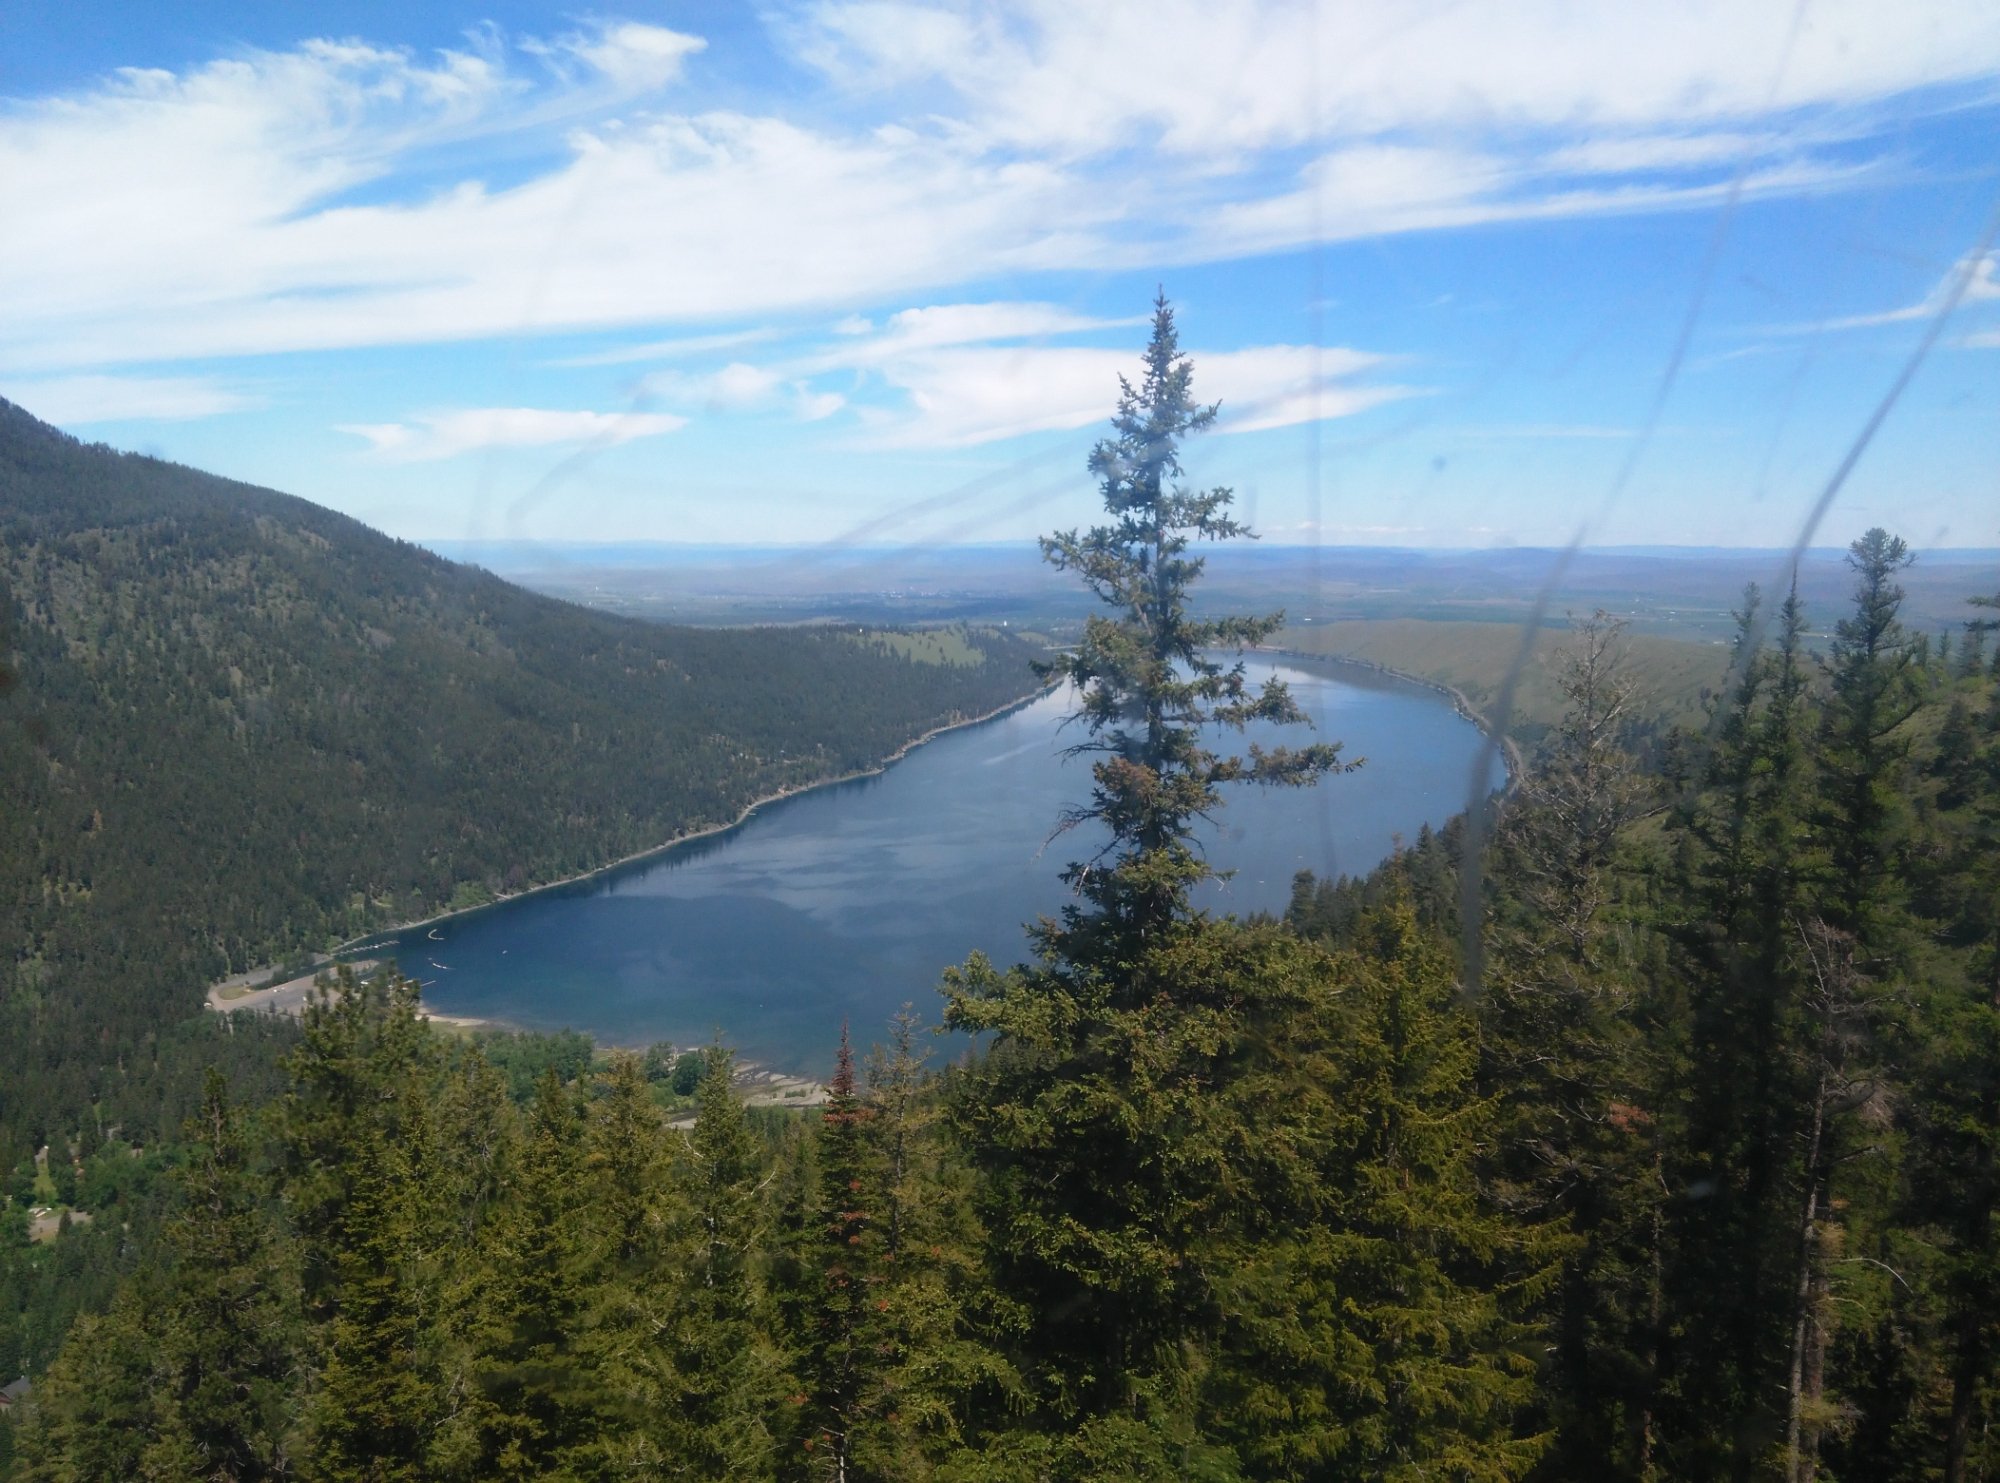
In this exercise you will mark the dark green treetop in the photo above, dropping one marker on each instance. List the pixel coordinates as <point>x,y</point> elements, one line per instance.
<point>1874,690</point>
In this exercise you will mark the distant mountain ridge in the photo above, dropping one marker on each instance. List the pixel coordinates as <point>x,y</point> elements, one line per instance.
<point>245,725</point>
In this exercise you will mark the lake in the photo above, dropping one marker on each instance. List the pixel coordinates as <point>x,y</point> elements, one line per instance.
<point>847,901</point>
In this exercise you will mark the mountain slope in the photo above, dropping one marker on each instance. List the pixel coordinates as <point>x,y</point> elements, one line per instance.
<point>246,725</point>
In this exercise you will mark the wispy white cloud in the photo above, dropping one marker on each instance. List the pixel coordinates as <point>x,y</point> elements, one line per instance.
<point>257,235</point>
<point>740,387</point>
<point>965,395</point>
<point>1376,190</point>
<point>1646,153</point>
<point>435,435</point>
<point>816,406</point>
<point>223,183</point>
<point>956,398</point>
<point>1271,386</point>
<point>912,331</point>
<point>339,194</point>
<point>958,375</point>
<point>1206,79</point>
<point>735,387</point>
<point>74,401</point>
<point>683,347</point>
<point>634,58</point>
<point>1982,286</point>
<point>946,366</point>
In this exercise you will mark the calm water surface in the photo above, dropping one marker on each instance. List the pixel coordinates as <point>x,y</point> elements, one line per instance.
<point>847,901</point>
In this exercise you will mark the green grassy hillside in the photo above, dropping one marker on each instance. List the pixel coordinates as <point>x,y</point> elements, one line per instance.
<point>1473,658</point>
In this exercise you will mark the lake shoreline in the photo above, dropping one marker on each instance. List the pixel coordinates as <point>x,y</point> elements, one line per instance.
<point>653,972</point>
<point>761,1085</point>
<point>1506,748</point>
<point>329,959</point>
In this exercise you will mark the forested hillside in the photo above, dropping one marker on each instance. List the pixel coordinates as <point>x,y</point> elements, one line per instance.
<point>242,725</point>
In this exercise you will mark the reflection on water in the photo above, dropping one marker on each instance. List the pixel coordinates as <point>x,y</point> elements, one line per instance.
<point>846,902</point>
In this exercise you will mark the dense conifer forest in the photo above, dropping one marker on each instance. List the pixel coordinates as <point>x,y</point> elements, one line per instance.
<point>238,727</point>
<point>1673,1157</point>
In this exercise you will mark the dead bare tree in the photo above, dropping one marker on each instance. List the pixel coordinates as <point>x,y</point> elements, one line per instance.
<point>1838,1011</point>
<point>1584,788</point>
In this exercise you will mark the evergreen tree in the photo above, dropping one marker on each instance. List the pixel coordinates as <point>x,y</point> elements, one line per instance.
<point>1978,626</point>
<point>1577,1149</point>
<point>535,1412</point>
<point>932,1384</point>
<point>626,1165</point>
<point>845,1276</point>
<point>1954,1180</point>
<point>466,1144</point>
<point>1092,1115</point>
<point>224,1348</point>
<point>1872,693</point>
<point>1585,787</point>
<point>1144,677</point>
<point>1743,857</point>
<point>628,1168</point>
<point>1375,1300</point>
<point>371,1413</point>
<point>719,1422</point>
<point>353,1139</point>
<point>362,1048</point>
<point>1841,1086</point>
<point>93,1410</point>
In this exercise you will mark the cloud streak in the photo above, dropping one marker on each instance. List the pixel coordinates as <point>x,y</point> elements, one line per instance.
<point>77,401</point>
<point>1983,286</point>
<point>273,217</point>
<point>968,395</point>
<point>1204,79</point>
<point>438,435</point>
<point>680,348</point>
<point>342,194</point>
<point>960,375</point>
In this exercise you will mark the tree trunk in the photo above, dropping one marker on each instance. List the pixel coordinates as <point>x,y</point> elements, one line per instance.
<point>1655,1305</point>
<point>1967,1370</point>
<point>1807,1381</point>
<point>1971,1352</point>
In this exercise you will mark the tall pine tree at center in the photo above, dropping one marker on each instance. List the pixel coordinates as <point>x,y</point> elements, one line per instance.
<point>1145,679</point>
<point>1094,1112</point>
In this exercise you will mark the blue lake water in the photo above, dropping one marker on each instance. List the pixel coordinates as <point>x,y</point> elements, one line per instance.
<point>847,901</point>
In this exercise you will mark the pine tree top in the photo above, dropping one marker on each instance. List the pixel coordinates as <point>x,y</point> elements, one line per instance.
<point>1147,679</point>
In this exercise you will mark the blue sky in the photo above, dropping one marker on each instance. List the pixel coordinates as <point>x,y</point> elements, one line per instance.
<point>868,271</point>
